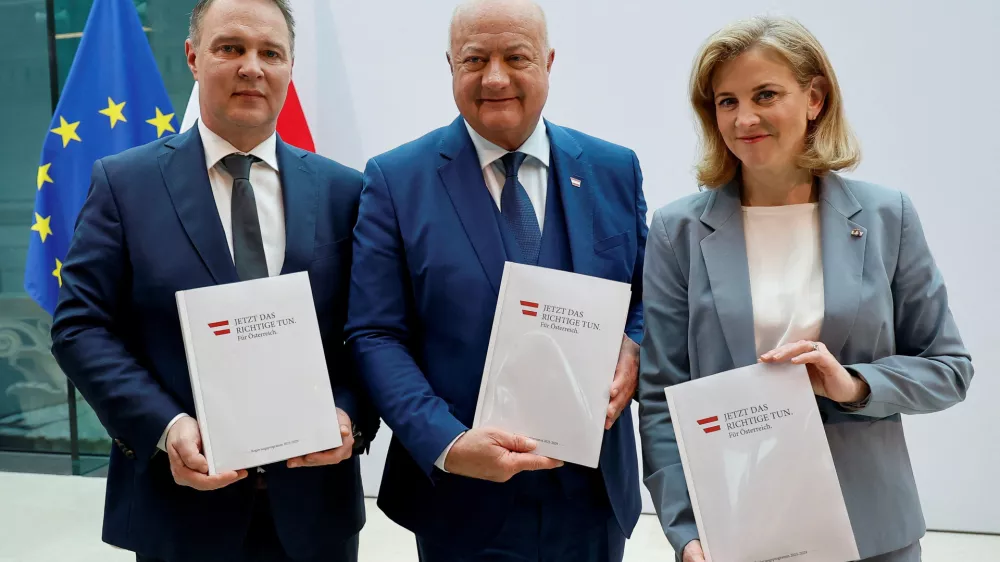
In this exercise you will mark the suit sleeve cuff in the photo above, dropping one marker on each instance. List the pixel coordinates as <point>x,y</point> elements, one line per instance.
<point>344,400</point>
<point>444,454</point>
<point>854,407</point>
<point>436,439</point>
<point>162,443</point>
<point>681,539</point>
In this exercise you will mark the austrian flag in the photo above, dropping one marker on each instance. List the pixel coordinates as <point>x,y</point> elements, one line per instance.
<point>529,308</point>
<point>221,328</point>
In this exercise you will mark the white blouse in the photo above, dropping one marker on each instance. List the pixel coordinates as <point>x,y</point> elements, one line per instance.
<point>786,273</point>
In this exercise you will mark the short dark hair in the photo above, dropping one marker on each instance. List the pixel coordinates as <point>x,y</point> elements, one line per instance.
<point>198,13</point>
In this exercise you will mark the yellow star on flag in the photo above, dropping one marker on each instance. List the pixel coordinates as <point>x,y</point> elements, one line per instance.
<point>57,272</point>
<point>162,123</point>
<point>67,131</point>
<point>43,176</point>
<point>42,227</point>
<point>114,111</point>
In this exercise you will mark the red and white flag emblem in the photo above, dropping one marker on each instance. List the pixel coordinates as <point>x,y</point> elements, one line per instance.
<point>221,328</point>
<point>710,425</point>
<point>529,308</point>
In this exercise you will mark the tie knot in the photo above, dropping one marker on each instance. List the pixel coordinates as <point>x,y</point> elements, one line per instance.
<point>238,165</point>
<point>512,162</point>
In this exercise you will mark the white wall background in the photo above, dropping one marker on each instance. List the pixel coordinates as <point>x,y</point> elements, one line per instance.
<point>922,88</point>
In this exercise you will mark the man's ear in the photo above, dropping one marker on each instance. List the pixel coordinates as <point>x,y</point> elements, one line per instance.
<point>192,58</point>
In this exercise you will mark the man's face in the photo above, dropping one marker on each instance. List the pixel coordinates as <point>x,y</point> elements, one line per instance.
<point>500,72</point>
<point>242,61</point>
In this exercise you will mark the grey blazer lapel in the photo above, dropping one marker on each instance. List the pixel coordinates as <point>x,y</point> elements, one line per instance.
<point>843,243</point>
<point>725,253</point>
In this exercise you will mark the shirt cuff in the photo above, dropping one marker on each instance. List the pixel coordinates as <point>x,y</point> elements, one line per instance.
<point>162,443</point>
<point>444,454</point>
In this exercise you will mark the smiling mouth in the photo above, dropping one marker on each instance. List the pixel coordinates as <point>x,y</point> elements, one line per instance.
<point>753,139</point>
<point>503,100</point>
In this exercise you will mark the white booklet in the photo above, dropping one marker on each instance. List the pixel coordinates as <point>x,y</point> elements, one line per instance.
<point>551,360</point>
<point>759,469</point>
<point>261,387</point>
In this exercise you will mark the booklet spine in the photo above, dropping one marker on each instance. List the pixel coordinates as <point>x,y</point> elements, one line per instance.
<point>192,362</point>
<point>692,489</point>
<point>508,272</point>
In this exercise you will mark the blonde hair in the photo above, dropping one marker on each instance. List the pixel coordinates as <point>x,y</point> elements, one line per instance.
<point>830,143</point>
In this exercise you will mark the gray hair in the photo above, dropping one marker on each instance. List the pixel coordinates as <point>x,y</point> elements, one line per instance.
<point>198,14</point>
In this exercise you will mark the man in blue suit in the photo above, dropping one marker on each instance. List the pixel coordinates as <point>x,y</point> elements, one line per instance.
<point>224,202</point>
<point>438,218</point>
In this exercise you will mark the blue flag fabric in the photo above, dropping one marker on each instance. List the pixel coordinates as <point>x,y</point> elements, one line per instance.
<point>113,100</point>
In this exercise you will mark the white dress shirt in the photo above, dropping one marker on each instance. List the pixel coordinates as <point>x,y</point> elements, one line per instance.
<point>786,273</point>
<point>266,191</point>
<point>533,175</point>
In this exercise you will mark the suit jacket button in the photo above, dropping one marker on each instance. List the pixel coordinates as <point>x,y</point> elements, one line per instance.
<point>129,454</point>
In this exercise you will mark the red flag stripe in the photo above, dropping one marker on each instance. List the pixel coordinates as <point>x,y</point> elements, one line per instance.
<point>222,332</point>
<point>292,124</point>
<point>217,324</point>
<point>529,313</point>
<point>712,419</point>
<point>712,429</point>
<point>528,303</point>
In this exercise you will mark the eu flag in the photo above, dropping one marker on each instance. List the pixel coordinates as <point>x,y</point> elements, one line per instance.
<point>113,100</point>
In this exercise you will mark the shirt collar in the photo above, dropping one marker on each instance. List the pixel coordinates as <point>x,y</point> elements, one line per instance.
<point>217,148</point>
<point>537,146</point>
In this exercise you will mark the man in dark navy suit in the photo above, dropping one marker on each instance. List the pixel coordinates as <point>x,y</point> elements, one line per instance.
<point>438,219</point>
<point>226,201</point>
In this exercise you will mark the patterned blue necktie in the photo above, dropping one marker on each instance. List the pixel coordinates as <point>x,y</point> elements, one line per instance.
<point>518,211</point>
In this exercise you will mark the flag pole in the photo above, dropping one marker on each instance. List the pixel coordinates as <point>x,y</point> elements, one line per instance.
<point>74,428</point>
<point>50,27</point>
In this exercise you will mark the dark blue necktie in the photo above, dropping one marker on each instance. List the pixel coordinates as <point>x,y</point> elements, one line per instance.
<point>248,244</point>
<point>518,211</point>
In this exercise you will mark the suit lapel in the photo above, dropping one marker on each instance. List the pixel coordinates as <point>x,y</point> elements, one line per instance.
<point>725,253</point>
<point>463,180</point>
<point>843,244</point>
<point>182,164</point>
<point>568,163</point>
<point>300,194</point>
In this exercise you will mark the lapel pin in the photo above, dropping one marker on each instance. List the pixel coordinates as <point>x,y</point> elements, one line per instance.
<point>857,233</point>
<point>575,181</point>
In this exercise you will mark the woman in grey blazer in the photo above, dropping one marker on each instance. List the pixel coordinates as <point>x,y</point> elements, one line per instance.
<point>782,259</point>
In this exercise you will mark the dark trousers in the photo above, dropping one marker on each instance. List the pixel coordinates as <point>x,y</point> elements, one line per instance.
<point>262,543</point>
<point>543,530</point>
<point>908,554</point>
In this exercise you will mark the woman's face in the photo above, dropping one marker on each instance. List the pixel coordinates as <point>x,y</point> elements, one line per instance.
<point>762,112</point>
